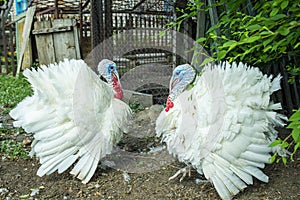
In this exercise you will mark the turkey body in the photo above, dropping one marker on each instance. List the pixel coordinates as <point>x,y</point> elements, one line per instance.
<point>73,116</point>
<point>224,125</point>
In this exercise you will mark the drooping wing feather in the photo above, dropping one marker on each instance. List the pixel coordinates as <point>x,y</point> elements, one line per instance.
<point>73,116</point>
<point>224,125</point>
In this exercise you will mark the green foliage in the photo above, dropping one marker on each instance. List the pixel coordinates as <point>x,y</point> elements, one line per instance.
<point>13,90</point>
<point>36,64</point>
<point>13,150</point>
<point>268,36</point>
<point>295,126</point>
<point>136,106</point>
<point>257,35</point>
<point>291,143</point>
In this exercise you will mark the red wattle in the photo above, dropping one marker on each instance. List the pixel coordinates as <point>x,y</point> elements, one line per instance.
<point>169,104</point>
<point>118,89</point>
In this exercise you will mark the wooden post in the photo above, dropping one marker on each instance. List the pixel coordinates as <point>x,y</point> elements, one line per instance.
<point>12,56</point>
<point>108,18</point>
<point>97,31</point>
<point>4,42</point>
<point>80,23</point>
<point>97,22</point>
<point>56,9</point>
<point>108,30</point>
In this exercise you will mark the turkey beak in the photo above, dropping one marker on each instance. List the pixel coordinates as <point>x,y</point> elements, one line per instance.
<point>114,76</point>
<point>173,83</point>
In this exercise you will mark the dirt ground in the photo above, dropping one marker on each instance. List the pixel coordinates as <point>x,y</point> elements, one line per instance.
<point>18,179</point>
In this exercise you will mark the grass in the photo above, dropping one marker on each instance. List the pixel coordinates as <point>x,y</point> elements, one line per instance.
<point>13,150</point>
<point>136,106</point>
<point>12,91</point>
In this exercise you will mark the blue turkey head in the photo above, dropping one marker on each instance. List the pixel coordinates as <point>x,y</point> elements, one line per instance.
<point>183,76</point>
<point>108,70</point>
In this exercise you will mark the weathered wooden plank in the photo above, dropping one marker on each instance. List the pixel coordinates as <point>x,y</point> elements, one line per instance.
<point>26,35</point>
<point>52,30</point>
<point>44,43</point>
<point>76,40</point>
<point>27,56</point>
<point>64,42</point>
<point>58,25</point>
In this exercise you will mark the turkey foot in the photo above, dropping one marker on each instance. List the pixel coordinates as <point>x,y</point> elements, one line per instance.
<point>182,171</point>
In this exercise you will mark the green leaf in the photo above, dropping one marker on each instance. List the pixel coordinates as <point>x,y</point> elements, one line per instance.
<point>162,33</point>
<point>251,39</point>
<point>297,45</point>
<point>296,147</point>
<point>273,158</point>
<point>274,12</point>
<point>266,42</point>
<point>296,134</point>
<point>229,43</point>
<point>295,116</point>
<point>265,33</point>
<point>221,54</point>
<point>254,27</point>
<point>207,60</point>
<point>283,160</point>
<point>284,144</point>
<point>212,28</point>
<point>277,17</point>
<point>283,30</point>
<point>284,4</point>
<point>275,143</point>
<point>293,125</point>
<point>199,40</point>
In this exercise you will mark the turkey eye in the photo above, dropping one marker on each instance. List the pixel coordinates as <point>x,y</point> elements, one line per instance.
<point>111,67</point>
<point>177,73</point>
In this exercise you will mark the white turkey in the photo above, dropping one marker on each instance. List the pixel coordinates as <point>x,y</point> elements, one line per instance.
<point>73,115</point>
<point>223,125</point>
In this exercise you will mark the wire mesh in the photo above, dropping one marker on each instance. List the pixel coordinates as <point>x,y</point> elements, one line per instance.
<point>138,45</point>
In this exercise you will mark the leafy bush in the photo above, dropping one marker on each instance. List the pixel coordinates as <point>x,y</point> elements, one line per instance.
<point>259,34</point>
<point>267,36</point>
